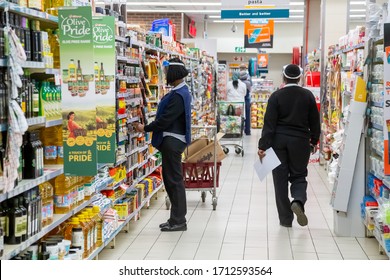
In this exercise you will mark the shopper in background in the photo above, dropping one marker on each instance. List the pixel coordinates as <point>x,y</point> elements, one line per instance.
<point>236,90</point>
<point>292,129</point>
<point>245,78</point>
<point>171,134</point>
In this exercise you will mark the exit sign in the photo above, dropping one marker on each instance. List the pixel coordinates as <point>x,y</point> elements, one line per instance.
<point>240,49</point>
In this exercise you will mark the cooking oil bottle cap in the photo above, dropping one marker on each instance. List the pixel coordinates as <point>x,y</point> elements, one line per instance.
<point>75,220</point>
<point>96,209</point>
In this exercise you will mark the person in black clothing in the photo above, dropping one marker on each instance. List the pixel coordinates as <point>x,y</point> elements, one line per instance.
<point>171,134</point>
<point>292,129</point>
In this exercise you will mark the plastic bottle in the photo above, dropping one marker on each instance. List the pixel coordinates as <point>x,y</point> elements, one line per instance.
<point>89,213</point>
<point>62,195</point>
<point>99,225</point>
<point>50,145</point>
<point>87,235</point>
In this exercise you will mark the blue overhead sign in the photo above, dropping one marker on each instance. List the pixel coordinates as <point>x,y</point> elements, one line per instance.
<point>251,9</point>
<point>248,14</point>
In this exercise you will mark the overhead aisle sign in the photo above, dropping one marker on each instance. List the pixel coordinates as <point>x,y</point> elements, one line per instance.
<point>259,33</point>
<point>104,77</point>
<point>78,91</point>
<point>247,9</point>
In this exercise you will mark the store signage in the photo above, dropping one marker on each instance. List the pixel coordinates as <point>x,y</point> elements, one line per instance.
<point>239,50</point>
<point>386,109</point>
<point>259,33</point>
<point>262,60</point>
<point>248,9</point>
<point>192,29</point>
<point>78,91</point>
<point>104,77</point>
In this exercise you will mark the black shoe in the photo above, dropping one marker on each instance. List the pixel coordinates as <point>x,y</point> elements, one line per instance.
<point>284,225</point>
<point>298,210</point>
<point>164,224</point>
<point>179,227</point>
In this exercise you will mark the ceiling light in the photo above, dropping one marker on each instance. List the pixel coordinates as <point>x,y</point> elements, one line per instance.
<point>174,11</point>
<point>357,3</point>
<point>358,10</point>
<point>228,21</point>
<point>214,16</point>
<point>173,3</point>
<point>357,16</point>
<point>300,16</point>
<point>296,11</point>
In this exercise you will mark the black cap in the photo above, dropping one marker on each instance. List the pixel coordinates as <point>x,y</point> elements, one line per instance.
<point>292,71</point>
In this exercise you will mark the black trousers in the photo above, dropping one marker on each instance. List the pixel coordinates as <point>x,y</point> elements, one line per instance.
<point>294,155</point>
<point>171,150</point>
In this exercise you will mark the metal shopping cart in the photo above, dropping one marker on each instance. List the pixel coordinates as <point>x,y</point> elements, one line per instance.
<point>230,121</point>
<point>202,176</point>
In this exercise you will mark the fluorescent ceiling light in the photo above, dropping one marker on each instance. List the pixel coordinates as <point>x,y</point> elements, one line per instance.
<point>214,16</point>
<point>296,11</point>
<point>357,3</point>
<point>358,10</point>
<point>288,21</point>
<point>173,4</point>
<point>357,16</point>
<point>297,3</point>
<point>300,16</point>
<point>174,11</point>
<point>228,21</point>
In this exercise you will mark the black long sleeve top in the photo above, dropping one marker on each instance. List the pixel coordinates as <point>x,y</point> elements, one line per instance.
<point>173,118</point>
<point>292,111</point>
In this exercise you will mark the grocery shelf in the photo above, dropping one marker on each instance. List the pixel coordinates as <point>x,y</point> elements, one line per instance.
<point>133,61</point>
<point>52,71</point>
<point>122,138</point>
<point>120,39</point>
<point>11,251</point>
<point>53,123</point>
<point>29,13</point>
<point>121,116</point>
<point>377,126</point>
<point>380,241</point>
<point>135,119</point>
<point>378,40</point>
<point>26,64</point>
<point>152,114</point>
<point>134,101</point>
<point>122,94</point>
<point>36,121</point>
<point>377,104</point>
<point>379,176</point>
<point>51,171</point>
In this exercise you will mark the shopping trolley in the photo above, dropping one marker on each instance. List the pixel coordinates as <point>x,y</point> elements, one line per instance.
<point>231,122</point>
<point>202,176</point>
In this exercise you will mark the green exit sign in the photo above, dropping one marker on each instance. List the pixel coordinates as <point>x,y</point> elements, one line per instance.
<point>240,49</point>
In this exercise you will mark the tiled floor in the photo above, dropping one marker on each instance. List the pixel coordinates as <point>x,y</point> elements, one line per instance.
<point>244,225</point>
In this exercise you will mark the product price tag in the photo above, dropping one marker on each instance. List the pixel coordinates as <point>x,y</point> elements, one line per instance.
<point>57,79</point>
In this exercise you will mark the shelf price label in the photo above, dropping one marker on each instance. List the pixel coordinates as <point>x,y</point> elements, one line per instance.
<point>78,91</point>
<point>386,109</point>
<point>104,78</point>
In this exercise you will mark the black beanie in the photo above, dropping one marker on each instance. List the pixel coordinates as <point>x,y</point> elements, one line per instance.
<point>292,72</point>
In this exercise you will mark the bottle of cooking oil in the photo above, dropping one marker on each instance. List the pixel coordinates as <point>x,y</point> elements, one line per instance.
<point>99,224</point>
<point>75,233</point>
<point>60,146</point>
<point>93,221</point>
<point>62,195</point>
<point>50,145</point>
<point>87,235</point>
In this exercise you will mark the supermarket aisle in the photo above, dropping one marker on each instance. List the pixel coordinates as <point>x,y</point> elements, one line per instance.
<point>245,224</point>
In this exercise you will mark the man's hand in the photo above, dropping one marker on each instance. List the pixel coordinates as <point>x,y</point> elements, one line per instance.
<point>261,154</point>
<point>139,127</point>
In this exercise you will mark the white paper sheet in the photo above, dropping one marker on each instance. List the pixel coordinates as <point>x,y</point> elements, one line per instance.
<point>270,162</point>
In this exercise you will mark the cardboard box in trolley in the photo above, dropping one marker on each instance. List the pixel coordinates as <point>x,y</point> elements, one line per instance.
<point>202,150</point>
